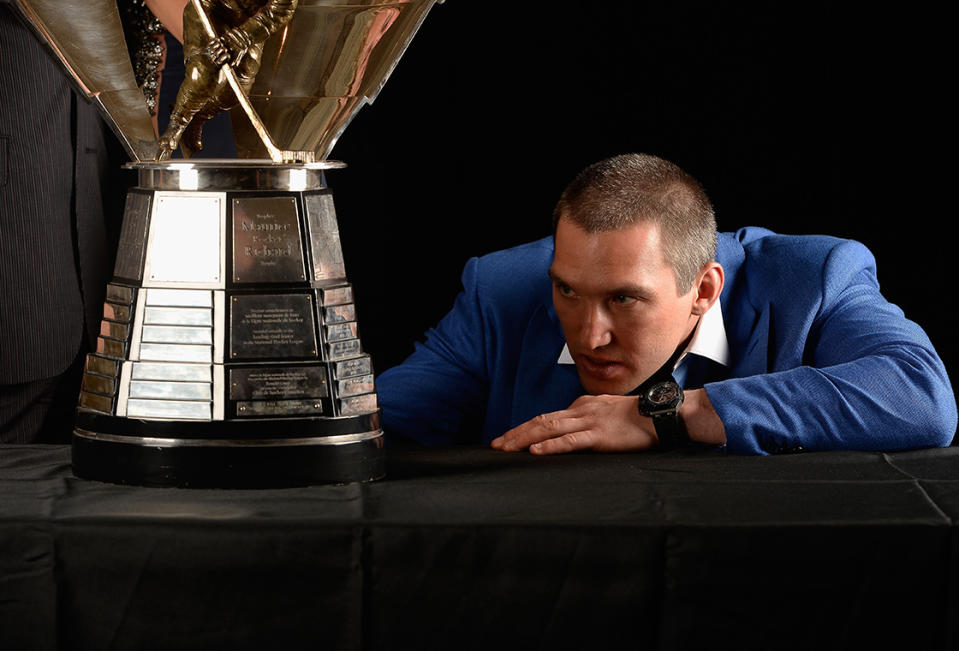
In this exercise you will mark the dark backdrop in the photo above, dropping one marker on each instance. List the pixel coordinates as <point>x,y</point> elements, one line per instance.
<point>802,117</point>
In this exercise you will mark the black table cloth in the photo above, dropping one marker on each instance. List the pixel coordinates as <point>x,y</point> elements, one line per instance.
<point>471,548</point>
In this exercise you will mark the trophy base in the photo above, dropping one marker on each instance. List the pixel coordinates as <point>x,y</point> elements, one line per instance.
<point>199,455</point>
<point>229,353</point>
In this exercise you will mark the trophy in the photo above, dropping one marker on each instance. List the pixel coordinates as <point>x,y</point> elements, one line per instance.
<point>229,352</point>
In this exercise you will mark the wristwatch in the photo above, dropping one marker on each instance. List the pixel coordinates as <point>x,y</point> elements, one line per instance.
<point>661,401</point>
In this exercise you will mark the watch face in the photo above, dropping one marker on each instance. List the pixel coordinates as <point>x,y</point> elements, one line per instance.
<point>663,393</point>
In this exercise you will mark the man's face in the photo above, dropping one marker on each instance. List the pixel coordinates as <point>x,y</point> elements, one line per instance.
<point>617,302</point>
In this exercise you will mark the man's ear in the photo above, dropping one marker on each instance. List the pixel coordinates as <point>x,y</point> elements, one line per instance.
<point>708,287</point>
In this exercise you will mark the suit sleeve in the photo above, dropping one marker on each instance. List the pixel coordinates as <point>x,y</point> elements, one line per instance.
<point>869,379</point>
<point>438,395</point>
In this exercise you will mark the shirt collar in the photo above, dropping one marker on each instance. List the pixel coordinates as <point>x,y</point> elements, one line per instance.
<point>709,341</point>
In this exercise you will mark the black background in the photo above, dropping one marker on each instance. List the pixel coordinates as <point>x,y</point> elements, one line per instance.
<point>801,117</point>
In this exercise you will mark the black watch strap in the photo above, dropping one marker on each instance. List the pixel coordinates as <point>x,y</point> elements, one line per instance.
<point>669,430</point>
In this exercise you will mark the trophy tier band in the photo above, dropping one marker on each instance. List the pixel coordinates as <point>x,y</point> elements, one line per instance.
<point>229,352</point>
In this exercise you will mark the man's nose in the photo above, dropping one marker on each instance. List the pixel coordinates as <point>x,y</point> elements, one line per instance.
<point>595,332</point>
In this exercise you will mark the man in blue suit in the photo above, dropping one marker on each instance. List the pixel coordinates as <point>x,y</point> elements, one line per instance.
<point>637,325</point>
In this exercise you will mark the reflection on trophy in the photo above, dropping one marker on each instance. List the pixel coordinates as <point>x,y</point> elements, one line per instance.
<point>229,352</point>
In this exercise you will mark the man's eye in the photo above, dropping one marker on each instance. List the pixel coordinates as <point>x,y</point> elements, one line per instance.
<point>564,289</point>
<point>622,299</point>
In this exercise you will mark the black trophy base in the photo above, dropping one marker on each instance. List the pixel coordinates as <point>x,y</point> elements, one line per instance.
<point>210,454</point>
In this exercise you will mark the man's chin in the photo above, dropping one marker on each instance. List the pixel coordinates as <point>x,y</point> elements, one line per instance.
<point>608,387</point>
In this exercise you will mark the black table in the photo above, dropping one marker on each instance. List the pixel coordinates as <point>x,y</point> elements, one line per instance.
<point>475,549</point>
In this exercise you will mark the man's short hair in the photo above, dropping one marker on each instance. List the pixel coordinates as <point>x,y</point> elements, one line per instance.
<point>624,190</point>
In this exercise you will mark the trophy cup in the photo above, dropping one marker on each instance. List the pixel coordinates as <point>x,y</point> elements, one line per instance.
<point>229,353</point>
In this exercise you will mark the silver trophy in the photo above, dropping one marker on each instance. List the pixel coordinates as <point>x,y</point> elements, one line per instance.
<point>229,352</point>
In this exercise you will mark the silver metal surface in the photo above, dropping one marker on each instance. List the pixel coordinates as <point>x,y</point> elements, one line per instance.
<point>179,297</point>
<point>339,439</point>
<point>186,244</point>
<point>177,335</point>
<point>171,390</point>
<point>267,245</point>
<point>358,405</point>
<point>172,371</point>
<point>176,353</point>
<point>232,174</point>
<point>168,409</point>
<point>197,316</point>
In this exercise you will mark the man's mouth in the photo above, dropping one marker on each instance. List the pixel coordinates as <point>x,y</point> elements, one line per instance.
<point>598,367</point>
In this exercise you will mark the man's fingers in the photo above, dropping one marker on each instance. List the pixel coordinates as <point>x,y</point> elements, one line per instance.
<point>541,428</point>
<point>567,443</point>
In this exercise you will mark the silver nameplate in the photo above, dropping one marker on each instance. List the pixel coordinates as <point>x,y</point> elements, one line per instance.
<point>275,382</point>
<point>352,367</point>
<point>177,334</point>
<point>354,386</point>
<point>168,409</point>
<point>178,316</point>
<point>264,326</point>
<point>176,353</point>
<point>280,408</point>
<point>358,405</point>
<point>172,371</point>
<point>324,237</point>
<point>341,331</point>
<point>185,242</point>
<point>339,313</point>
<point>170,390</point>
<point>179,297</point>
<point>336,295</point>
<point>133,236</point>
<point>267,246</point>
<point>343,349</point>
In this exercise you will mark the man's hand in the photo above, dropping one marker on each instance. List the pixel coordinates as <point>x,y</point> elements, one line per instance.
<point>609,424</point>
<point>600,423</point>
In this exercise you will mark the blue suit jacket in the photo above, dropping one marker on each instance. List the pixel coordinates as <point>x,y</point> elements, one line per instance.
<point>819,359</point>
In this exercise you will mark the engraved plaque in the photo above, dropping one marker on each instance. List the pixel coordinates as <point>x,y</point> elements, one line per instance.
<point>324,237</point>
<point>275,382</point>
<point>336,295</point>
<point>264,326</point>
<point>266,240</point>
<point>339,313</point>
<point>353,367</point>
<point>133,236</point>
<point>354,386</point>
<point>280,408</point>
<point>358,404</point>
<point>344,349</point>
<point>341,331</point>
